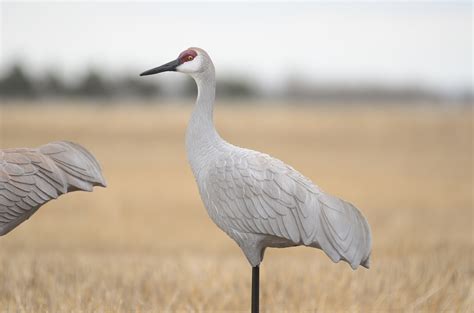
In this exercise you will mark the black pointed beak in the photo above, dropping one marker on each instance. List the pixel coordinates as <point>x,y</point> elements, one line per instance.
<point>168,67</point>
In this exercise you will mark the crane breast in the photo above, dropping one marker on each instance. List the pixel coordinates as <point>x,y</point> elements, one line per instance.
<point>252,193</point>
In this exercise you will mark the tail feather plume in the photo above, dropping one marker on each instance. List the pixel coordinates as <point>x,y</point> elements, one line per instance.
<point>29,178</point>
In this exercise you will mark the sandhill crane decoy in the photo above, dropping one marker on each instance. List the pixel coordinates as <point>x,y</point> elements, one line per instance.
<point>258,200</point>
<point>30,177</point>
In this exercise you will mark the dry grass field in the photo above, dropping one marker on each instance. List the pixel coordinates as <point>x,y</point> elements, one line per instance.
<point>145,243</point>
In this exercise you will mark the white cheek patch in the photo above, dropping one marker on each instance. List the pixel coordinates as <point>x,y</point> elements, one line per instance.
<point>191,66</point>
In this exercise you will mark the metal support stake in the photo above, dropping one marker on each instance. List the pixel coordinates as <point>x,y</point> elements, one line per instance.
<point>255,288</point>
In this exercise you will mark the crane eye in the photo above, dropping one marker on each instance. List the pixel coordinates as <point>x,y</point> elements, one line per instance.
<point>187,56</point>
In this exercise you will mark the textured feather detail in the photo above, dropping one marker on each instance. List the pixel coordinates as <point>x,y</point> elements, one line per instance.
<point>31,177</point>
<point>255,194</point>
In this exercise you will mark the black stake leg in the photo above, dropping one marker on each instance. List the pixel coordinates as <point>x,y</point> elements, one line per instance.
<point>255,288</point>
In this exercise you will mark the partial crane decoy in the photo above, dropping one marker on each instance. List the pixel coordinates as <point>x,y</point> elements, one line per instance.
<point>30,177</point>
<point>258,200</point>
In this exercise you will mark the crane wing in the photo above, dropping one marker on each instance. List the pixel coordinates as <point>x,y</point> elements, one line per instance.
<point>31,177</point>
<point>254,193</point>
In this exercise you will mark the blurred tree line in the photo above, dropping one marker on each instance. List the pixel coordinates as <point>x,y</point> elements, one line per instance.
<point>17,83</point>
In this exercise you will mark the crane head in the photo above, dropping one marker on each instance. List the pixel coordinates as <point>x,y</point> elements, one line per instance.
<point>190,61</point>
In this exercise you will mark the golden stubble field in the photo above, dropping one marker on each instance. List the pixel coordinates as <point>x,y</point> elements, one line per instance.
<point>145,244</point>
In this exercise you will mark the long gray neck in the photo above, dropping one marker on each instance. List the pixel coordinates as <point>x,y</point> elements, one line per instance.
<point>202,139</point>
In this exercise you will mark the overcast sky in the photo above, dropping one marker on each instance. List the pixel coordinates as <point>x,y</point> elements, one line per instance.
<point>400,43</point>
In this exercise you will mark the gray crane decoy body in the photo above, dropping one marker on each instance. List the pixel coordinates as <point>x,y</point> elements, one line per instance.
<point>30,177</point>
<point>258,200</point>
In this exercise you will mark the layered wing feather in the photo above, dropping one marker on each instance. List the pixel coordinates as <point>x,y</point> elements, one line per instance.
<point>31,177</point>
<point>253,193</point>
